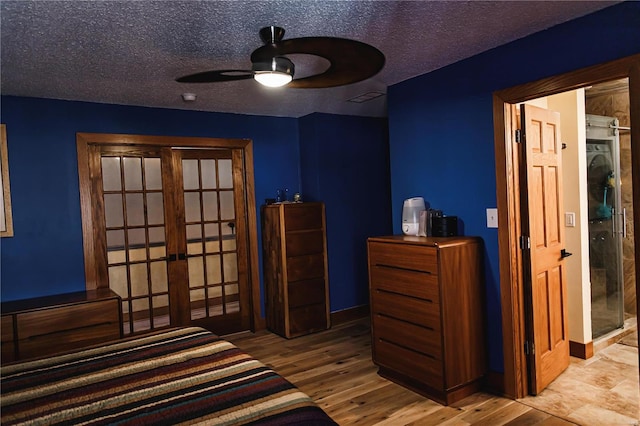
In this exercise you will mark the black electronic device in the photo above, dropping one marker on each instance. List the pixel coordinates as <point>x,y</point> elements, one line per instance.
<point>444,226</point>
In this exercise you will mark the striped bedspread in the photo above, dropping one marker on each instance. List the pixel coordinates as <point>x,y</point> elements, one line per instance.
<point>180,376</point>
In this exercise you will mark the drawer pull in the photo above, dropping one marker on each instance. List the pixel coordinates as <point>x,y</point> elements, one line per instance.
<point>382,265</point>
<point>426,327</point>
<point>381,291</point>
<point>407,348</point>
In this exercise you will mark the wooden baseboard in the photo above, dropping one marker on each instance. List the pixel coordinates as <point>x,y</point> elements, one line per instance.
<point>438,395</point>
<point>337,317</point>
<point>349,314</point>
<point>581,350</point>
<point>494,382</point>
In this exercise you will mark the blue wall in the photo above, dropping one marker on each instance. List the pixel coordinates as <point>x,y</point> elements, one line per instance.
<point>46,257</point>
<point>441,126</point>
<point>344,162</point>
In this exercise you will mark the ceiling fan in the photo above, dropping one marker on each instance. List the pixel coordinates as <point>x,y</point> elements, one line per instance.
<point>350,61</point>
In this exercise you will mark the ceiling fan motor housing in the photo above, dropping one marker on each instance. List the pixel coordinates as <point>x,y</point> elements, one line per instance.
<point>276,64</point>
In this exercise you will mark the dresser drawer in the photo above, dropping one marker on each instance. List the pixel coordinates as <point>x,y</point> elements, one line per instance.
<point>305,267</point>
<point>304,242</point>
<point>404,256</point>
<point>411,336</point>
<point>409,309</point>
<point>411,283</point>
<point>59,329</point>
<point>309,292</point>
<point>302,216</point>
<point>419,367</point>
<point>307,319</point>
<point>45,321</point>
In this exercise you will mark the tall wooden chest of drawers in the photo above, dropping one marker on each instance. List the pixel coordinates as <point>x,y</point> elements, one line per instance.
<point>294,260</point>
<point>427,304</point>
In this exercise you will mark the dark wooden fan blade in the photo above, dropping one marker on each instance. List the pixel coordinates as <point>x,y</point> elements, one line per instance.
<point>216,76</point>
<point>351,61</point>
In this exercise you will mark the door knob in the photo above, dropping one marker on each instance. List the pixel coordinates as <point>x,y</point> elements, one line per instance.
<point>564,253</point>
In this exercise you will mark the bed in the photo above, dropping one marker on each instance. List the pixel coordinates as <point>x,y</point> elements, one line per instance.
<point>178,376</point>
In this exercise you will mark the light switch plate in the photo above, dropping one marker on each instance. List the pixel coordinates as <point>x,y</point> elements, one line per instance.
<point>570,219</point>
<point>492,218</point>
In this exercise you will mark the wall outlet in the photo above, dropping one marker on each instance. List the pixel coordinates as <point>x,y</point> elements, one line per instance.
<point>492,218</point>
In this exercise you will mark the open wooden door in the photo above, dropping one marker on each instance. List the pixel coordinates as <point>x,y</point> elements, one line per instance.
<point>544,273</point>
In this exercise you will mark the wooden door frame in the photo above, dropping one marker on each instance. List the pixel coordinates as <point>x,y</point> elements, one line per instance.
<point>508,199</point>
<point>244,146</point>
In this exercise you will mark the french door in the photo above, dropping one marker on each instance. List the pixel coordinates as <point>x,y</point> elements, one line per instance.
<point>210,243</point>
<point>170,235</point>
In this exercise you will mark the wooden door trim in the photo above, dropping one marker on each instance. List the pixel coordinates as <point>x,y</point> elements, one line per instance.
<point>83,142</point>
<point>508,199</point>
<point>259,321</point>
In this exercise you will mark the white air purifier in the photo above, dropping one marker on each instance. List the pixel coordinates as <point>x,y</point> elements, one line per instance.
<point>411,215</point>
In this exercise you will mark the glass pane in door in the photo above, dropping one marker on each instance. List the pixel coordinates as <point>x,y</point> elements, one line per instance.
<point>136,240</point>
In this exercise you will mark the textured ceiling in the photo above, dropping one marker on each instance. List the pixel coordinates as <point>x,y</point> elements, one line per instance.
<point>130,52</point>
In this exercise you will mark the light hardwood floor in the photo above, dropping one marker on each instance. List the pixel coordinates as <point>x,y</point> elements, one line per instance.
<point>334,367</point>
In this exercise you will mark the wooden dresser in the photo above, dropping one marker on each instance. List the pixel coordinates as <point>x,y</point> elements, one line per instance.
<point>294,260</point>
<point>427,314</point>
<point>42,326</point>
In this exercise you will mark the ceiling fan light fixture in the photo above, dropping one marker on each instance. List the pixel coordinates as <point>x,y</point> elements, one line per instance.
<point>349,61</point>
<point>276,73</point>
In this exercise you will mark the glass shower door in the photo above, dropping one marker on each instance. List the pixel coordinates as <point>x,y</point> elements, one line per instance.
<point>606,225</point>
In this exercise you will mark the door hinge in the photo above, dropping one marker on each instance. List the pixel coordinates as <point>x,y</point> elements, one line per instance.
<point>519,136</point>
<point>525,242</point>
<point>529,348</point>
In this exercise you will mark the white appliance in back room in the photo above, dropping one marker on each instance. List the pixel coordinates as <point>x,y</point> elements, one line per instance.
<point>411,209</point>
